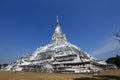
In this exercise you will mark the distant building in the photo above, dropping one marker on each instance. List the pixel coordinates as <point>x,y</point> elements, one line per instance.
<point>58,56</point>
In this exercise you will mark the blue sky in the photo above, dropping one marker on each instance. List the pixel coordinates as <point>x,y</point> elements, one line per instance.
<point>28,24</point>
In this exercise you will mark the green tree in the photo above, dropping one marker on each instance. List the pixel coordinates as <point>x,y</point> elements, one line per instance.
<point>117,60</point>
<point>4,65</point>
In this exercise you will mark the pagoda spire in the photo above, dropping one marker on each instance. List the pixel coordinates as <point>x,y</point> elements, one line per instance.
<point>57,20</point>
<point>58,28</point>
<point>58,35</point>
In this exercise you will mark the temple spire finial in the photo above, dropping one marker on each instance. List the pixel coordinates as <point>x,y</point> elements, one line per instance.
<point>58,35</point>
<point>58,29</point>
<point>57,19</point>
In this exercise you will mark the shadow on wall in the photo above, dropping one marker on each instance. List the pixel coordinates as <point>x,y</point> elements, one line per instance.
<point>106,77</point>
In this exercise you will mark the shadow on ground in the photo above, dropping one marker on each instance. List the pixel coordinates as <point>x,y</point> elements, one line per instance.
<point>85,78</point>
<point>106,77</point>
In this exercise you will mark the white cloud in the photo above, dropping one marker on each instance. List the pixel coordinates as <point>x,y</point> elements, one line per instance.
<point>111,45</point>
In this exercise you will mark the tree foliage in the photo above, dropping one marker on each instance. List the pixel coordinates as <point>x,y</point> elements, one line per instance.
<point>114,60</point>
<point>117,35</point>
<point>3,65</point>
<point>117,60</point>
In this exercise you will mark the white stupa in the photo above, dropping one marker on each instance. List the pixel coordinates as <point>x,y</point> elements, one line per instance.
<point>58,56</point>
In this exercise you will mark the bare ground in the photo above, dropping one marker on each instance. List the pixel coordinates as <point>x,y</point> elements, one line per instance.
<point>106,75</point>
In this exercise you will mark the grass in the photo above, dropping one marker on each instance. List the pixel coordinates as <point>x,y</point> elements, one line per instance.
<point>106,75</point>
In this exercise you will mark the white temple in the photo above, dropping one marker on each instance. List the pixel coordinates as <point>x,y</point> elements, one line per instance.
<point>58,56</point>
